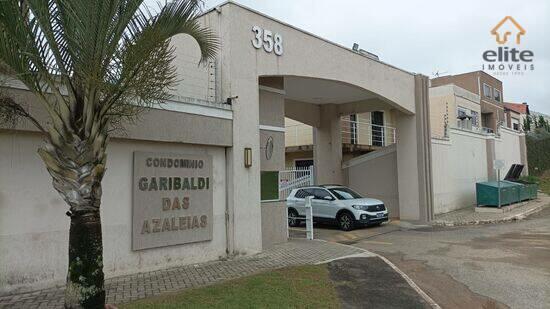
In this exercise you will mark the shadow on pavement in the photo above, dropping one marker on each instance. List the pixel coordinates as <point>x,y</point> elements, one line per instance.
<point>368,282</point>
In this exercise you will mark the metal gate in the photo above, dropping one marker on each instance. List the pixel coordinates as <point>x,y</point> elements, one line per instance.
<point>294,178</point>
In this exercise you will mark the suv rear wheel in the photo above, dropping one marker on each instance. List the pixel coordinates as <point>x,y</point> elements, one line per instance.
<point>346,221</point>
<point>293,217</point>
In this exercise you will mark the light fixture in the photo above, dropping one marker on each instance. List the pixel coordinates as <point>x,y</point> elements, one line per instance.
<point>247,157</point>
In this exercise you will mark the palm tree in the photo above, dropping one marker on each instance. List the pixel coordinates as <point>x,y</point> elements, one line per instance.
<point>92,64</point>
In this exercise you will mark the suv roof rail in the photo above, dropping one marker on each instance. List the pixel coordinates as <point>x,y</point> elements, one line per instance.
<point>331,185</point>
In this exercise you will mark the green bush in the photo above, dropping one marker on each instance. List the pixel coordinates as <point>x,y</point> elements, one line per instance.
<point>538,152</point>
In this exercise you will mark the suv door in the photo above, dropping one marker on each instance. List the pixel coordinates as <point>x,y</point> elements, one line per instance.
<point>322,207</point>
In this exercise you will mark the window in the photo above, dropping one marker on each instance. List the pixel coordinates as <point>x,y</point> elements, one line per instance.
<point>344,193</point>
<point>487,91</point>
<point>497,95</point>
<point>464,118</point>
<point>515,124</point>
<point>475,118</point>
<point>303,193</point>
<point>321,194</point>
<point>303,163</point>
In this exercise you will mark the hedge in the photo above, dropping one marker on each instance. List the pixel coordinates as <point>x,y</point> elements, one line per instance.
<point>538,152</point>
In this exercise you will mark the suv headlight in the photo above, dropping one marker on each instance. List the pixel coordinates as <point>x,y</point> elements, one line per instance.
<point>360,207</point>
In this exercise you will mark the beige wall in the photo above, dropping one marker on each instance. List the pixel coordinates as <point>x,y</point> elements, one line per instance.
<point>274,224</point>
<point>297,133</point>
<point>276,161</point>
<point>466,158</point>
<point>458,163</point>
<point>375,175</point>
<point>200,81</point>
<point>272,109</point>
<point>33,221</point>
<point>508,149</point>
<point>199,124</point>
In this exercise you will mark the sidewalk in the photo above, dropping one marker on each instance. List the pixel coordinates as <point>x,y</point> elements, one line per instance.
<point>129,288</point>
<point>468,216</point>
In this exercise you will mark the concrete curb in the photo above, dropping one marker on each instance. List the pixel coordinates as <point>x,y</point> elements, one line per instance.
<point>367,253</point>
<point>516,217</point>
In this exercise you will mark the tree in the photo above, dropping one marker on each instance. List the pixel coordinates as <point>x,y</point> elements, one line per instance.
<point>527,123</point>
<point>92,65</point>
<point>541,122</point>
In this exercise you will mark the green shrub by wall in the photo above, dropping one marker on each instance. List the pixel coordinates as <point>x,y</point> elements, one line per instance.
<point>538,152</point>
<point>269,185</point>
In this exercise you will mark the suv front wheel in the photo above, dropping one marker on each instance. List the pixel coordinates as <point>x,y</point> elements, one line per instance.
<point>293,217</point>
<point>346,221</point>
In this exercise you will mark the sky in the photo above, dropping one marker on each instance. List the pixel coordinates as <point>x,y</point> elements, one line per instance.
<point>430,36</point>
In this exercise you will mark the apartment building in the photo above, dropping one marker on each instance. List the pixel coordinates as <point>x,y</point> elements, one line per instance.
<point>229,115</point>
<point>489,90</point>
<point>515,115</point>
<point>454,107</point>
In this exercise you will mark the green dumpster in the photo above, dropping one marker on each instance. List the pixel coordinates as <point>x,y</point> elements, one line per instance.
<point>510,192</point>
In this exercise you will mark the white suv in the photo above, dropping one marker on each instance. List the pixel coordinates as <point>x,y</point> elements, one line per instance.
<point>336,203</point>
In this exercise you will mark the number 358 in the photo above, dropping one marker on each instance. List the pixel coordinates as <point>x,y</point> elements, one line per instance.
<point>269,41</point>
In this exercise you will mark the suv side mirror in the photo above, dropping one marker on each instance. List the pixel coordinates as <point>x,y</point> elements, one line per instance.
<point>328,198</point>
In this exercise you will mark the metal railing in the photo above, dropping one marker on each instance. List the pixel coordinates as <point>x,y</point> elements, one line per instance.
<point>366,133</point>
<point>353,132</point>
<point>294,178</point>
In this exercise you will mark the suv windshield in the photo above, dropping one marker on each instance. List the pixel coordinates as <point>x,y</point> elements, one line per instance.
<point>343,193</point>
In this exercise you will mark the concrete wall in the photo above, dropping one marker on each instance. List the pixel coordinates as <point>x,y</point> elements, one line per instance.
<point>508,148</point>
<point>200,81</point>
<point>375,175</point>
<point>274,223</point>
<point>457,163</point>
<point>466,158</point>
<point>327,152</point>
<point>180,122</point>
<point>272,122</point>
<point>33,221</point>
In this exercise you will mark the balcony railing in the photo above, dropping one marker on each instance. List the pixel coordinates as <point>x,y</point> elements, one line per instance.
<point>353,132</point>
<point>366,133</point>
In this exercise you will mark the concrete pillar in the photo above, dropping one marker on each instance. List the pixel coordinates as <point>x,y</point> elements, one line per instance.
<point>414,158</point>
<point>327,147</point>
<point>523,155</point>
<point>491,156</point>
<point>244,230</point>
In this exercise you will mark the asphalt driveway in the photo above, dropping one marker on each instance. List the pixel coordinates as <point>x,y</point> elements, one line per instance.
<point>490,266</point>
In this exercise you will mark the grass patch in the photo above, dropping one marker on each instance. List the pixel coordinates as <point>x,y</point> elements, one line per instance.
<point>294,287</point>
<point>543,181</point>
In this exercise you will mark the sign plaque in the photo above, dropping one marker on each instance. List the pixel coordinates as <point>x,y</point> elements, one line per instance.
<point>172,199</point>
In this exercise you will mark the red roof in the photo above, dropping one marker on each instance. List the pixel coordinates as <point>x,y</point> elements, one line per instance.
<point>518,108</point>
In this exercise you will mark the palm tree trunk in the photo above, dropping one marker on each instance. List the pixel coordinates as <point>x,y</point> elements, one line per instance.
<point>77,168</point>
<point>85,279</point>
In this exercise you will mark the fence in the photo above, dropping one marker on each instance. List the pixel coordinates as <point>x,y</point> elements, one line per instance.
<point>294,178</point>
<point>366,133</point>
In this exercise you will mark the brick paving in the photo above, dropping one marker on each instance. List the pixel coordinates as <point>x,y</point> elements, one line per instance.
<point>133,287</point>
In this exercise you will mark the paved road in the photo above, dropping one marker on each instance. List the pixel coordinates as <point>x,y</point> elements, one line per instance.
<point>368,282</point>
<point>490,266</point>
